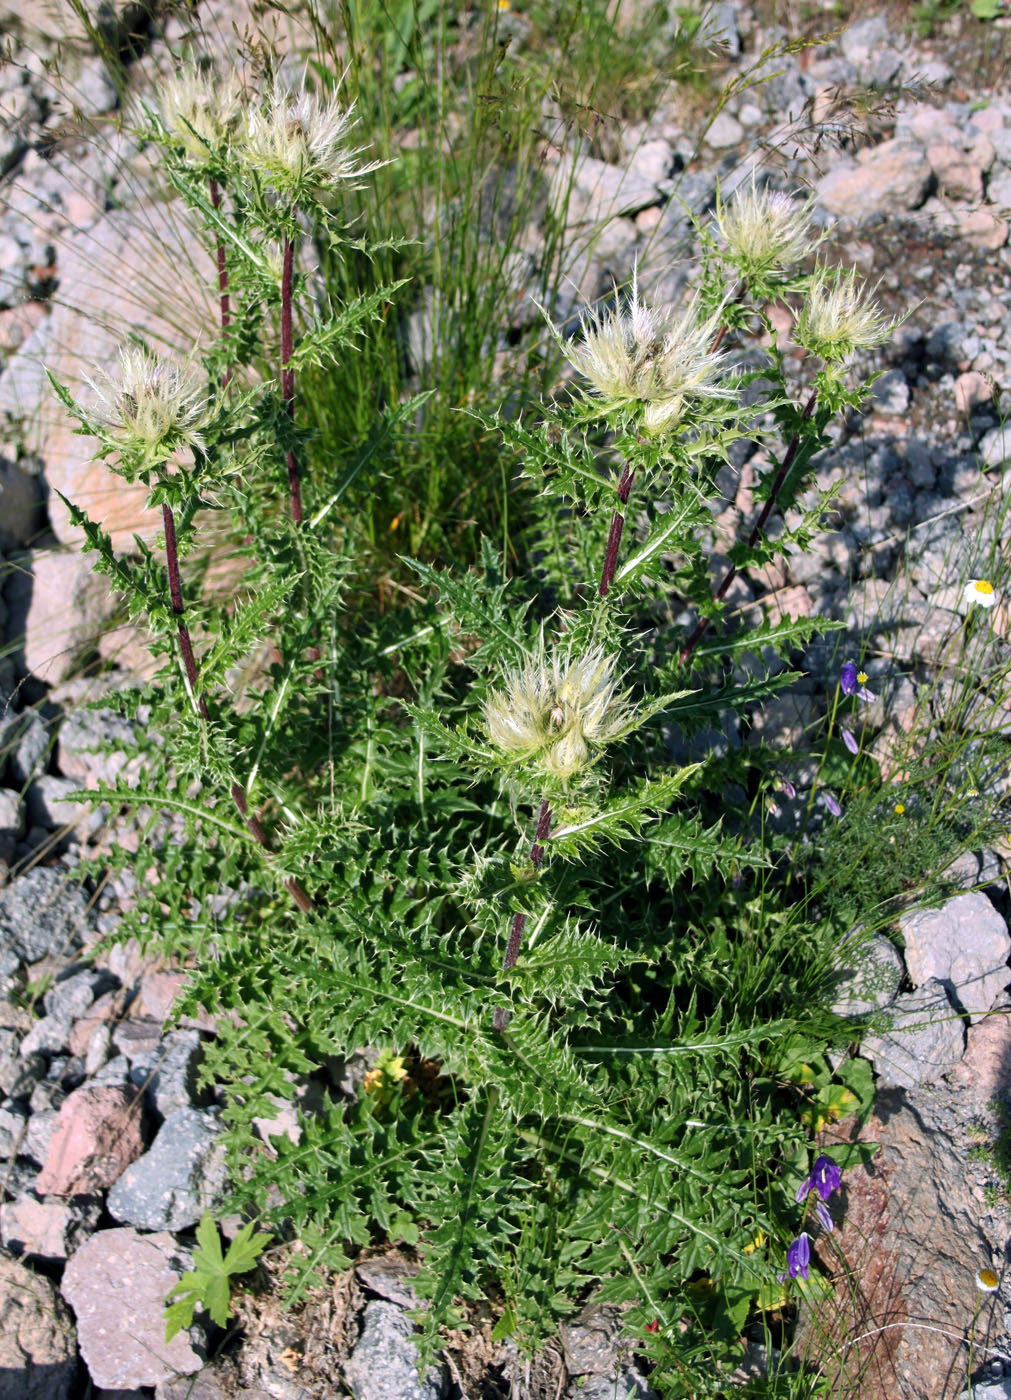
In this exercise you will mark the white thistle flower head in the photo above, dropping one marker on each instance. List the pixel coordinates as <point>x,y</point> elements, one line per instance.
<point>151,403</point>
<point>980,591</point>
<point>558,711</point>
<point>299,143</point>
<point>200,111</point>
<point>766,232</point>
<point>657,361</point>
<point>839,317</point>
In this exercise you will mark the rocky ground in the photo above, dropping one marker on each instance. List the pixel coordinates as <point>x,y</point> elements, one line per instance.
<point>108,1151</point>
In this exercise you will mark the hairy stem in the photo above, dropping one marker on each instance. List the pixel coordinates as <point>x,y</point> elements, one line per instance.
<point>226,312</point>
<point>501,1017</point>
<point>789,458</point>
<point>288,375</point>
<point>614,534</point>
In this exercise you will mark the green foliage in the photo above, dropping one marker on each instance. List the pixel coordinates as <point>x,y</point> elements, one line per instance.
<point>208,1284</point>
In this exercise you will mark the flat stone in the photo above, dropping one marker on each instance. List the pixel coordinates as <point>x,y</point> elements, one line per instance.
<point>177,1179</point>
<point>957,176</point>
<point>885,179</point>
<point>980,228</point>
<point>35,1229</point>
<point>890,393</point>
<point>995,446</point>
<point>724,132</point>
<point>972,389</point>
<point>924,1041</point>
<point>964,945</point>
<point>38,1358</point>
<point>44,912</point>
<point>12,815</point>
<point>384,1362</point>
<point>116,1284</point>
<point>168,1076</point>
<point>97,1136</point>
<point>58,608</point>
<point>592,1341</point>
<point>52,803</point>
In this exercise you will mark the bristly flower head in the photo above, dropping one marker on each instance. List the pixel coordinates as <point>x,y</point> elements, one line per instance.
<point>766,232</point>
<point>839,317</point>
<point>655,361</point>
<point>200,111</point>
<point>299,143</point>
<point>557,712</point>
<point>152,404</point>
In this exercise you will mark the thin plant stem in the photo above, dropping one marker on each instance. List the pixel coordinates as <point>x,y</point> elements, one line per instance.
<point>226,311</point>
<point>501,1018</point>
<point>756,530</point>
<point>288,374</point>
<point>255,829</point>
<point>614,534</point>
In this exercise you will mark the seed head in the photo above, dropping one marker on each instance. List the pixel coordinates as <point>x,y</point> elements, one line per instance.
<point>558,711</point>
<point>766,232</point>
<point>299,143</point>
<point>657,361</point>
<point>151,404</point>
<point>200,111</point>
<point>839,318</point>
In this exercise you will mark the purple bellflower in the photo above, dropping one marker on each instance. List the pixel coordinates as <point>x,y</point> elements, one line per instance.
<point>832,803</point>
<point>853,682</point>
<point>825,1178</point>
<point>850,741</point>
<point>798,1257</point>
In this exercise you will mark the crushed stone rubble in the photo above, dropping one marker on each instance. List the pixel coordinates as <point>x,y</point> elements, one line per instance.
<point>109,1150</point>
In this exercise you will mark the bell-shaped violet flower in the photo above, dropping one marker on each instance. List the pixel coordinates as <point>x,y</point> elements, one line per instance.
<point>849,740</point>
<point>822,1212</point>
<point>832,803</point>
<point>825,1177</point>
<point>798,1256</point>
<point>854,682</point>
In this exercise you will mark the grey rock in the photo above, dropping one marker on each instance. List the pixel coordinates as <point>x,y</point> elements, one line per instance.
<point>27,744</point>
<point>52,803</point>
<point>20,506</point>
<point>868,976</point>
<point>71,996</point>
<point>948,344</point>
<point>721,27</point>
<point>23,383</point>
<point>38,1358</point>
<point>168,1075</point>
<point>964,945</point>
<point>116,1284</point>
<point>48,1036</point>
<point>13,1116</point>
<point>390,1276</point>
<point>384,1362</point>
<point>94,748</point>
<point>989,1390</point>
<point>600,191</point>
<point>995,446</point>
<point>925,1039</point>
<point>591,1342</point>
<point>42,1127</point>
<point>177,1179</point>
<point>628,1384</point>
<point>42,912</point>
<point>860,41</point>
<point>12,815</point>
<point>890,393</point>
<point>724,131</point>
<point>49,1230</point>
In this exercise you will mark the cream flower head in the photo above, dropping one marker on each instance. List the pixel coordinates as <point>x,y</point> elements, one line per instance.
<point>299,142</point>
<point>558,711</point>
<point>152,403</point>
<point>655,360</point>
<point>839,317</point>
<point>766,232</point>
<point>200,111</point>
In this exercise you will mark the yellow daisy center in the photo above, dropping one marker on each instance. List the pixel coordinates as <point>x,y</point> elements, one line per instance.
<point>983,587</point>
<point>862,677</point>
<point>987,1280</point>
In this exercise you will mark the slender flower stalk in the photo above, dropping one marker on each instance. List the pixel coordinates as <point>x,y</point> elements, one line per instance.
<point>176,597</point>
<point>756,530</point>
<point>615,532</point>
<point>501,1017</point>
<point>288,376</point>
<point>224,299</point>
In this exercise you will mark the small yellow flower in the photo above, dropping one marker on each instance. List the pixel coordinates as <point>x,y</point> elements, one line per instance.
<point>556,712</point>
<point>899,809</point>
<point>979,590</point>
<point>756,1243</point>
<point>987,1281</point>
<point>839,318</point>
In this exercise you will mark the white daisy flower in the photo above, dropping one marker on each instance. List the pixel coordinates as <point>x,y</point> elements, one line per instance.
<point>980,590</point>
<point>987,1281</point>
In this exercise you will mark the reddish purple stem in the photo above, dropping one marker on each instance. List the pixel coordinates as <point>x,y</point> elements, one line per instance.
<point>614,534</point>
<point>756,530</point>
<point>501,1017</point>
<point>288,375</point>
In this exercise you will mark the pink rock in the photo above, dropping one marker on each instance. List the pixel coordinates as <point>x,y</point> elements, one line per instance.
<point>60,608</point>
<point>38,1359</point>
<point>18,322</point>
<point>988,119</point>
<point>97,1137</point>
<point>957,175</point>
<point>102,1010</point>
<point>981,229</point>
<point>972,388</point>
<point>158,992</point>
<point>116,1284</point>
<point>886,179</point>
<point>38,1229</point>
